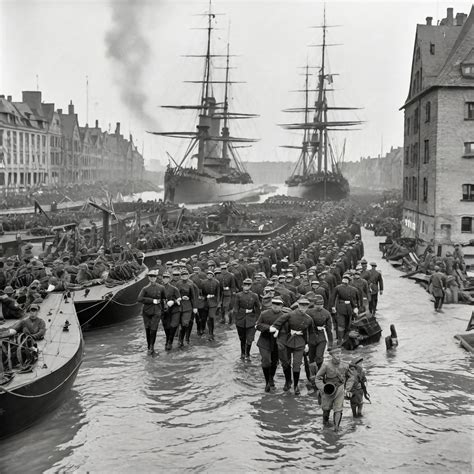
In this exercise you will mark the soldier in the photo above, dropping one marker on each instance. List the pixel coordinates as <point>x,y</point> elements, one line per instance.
<point>228,289</point>
<point>172,311</point>
<point>211,292</point>
<point>375,282</point>
<point>356,387</point>
<point>246,312</point>
<point>152,296</point>
<point>345,305</point>
<point>296,341</point>
<point>188,292</point>
<point>197,278</point>
<point>330,381</point>
<point>267,345</point>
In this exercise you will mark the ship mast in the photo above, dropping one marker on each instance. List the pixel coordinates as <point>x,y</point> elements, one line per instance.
<point>225,128</point>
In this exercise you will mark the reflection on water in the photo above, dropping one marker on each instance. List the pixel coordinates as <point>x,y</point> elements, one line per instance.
<point>201,408</point>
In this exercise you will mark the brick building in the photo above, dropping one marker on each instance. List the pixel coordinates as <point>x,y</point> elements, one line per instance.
<point>438,156</point>
<point>41,146</point>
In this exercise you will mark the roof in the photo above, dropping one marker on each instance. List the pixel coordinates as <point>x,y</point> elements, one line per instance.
<point>68,124</point>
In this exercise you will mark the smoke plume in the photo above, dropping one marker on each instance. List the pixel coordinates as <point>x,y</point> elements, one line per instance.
<point>130,52</point>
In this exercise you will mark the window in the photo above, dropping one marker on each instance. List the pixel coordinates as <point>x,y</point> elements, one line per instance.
<point>414,186</point>
<point>432,48</point>
<point>416,121</point>
<point>468,70</point>
<point>408,126</point>
<point>425,189</point>
<point>469,148</point>
<point>428,112</point>
<point>466,224</point>
<point>426,152</point>
<point>405,189</point>
<point>468,192</point>
<point>407,155</point>
<point>414,154</point>
<point>469,111</point>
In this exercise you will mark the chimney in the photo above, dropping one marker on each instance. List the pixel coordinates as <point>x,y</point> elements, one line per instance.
<point>9,98</point>
<point>449,18</point>
<point>71,108</point>
<point>460,18</point>
<point>117,129</point>
<point>429,20</point>
<point>60,111</point>
<point>33,99</point>
<point>96,124</point>
<point>2,96</point>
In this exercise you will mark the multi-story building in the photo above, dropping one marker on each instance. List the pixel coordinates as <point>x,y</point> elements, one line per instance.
<point>43,146</point>
<point>438,156</point>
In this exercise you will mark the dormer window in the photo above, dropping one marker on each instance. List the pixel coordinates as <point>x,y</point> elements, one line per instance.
<point>467,70</point>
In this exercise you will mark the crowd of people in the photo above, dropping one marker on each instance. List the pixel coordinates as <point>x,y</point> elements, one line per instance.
<point>301,291</point>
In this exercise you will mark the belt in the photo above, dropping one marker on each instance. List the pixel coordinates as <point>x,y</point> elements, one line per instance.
<point>296,333</point>
<point>347,302</point>
<point>185,298</point>
<point>249,311</point>
<point>226,288</point>
<point>211,296</point>
<point>319,328</point>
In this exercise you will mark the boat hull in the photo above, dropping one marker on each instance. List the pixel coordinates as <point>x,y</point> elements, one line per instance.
<point>47,393</point>
<point>318,191</point>
<point>199,189</point>
<point>107,307</point>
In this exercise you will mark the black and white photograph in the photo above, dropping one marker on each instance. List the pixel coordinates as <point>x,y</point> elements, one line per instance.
<point>236,236</point>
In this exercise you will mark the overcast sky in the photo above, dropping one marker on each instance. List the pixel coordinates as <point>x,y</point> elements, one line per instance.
<point>132,53</point>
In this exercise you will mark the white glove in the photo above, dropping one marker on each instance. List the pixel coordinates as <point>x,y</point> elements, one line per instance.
<point>170,303</point>
<point>274,330</point>
<point>195,311</point>
<point>333,309</point>
<point>356,311</point>
<point>11,332</point>
<point>155,301</point>
<point>306,349</point>
<point>178,300</point>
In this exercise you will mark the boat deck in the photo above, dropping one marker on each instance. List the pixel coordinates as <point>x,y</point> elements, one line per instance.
<point>58,346</point>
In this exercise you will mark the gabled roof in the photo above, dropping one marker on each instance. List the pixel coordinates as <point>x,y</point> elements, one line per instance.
<point>462,52</point>
<point>68,124</point>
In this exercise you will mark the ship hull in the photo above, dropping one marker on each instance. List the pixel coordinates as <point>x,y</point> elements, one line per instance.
<point>198,189</point>
<point>319,191</point>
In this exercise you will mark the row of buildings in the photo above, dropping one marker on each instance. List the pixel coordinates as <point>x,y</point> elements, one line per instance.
<point>42,146</point>
<point>382,173</point>
<point>438,153</point>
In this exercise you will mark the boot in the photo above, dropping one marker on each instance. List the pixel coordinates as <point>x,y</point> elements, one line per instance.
<point>359,411</point>
<point>287,373</point>
<point>171,338</point>
<point>167,333</point>
<point>242,350</point>
<point>247,352</point>
<point>296,378</point>
<point>273,369</point>
<point>189,330</point>
<point>152,342</point>
<point>210,324</point>
<point>230,319</point>
<point>266,373</point>
<point>354,411</point>
<point>182,333</point>
<point>325,417</point>
<point>337,420</point>
<point>147,332</point>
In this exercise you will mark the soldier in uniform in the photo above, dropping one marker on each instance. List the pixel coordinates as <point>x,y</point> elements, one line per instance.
<point>298,323</point>
<point>267,345</point>
<point>188,292</point>
<point>345,305</point>
<point>172,311</point>
<point>246,312</point>
<point>330,381</point>
<point>197,278</point>
<point>152,296</point>
<point>211,293</point>
<point>228,289</point>
<point>375,282</point>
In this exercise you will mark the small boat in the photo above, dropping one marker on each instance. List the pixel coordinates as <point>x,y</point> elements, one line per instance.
<point>364,330</point>
<point>35,381</point>
<point>102,305</point>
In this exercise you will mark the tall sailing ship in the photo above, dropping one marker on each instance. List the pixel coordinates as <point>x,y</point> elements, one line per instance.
<point>317,174</point>
<point>211,169</point>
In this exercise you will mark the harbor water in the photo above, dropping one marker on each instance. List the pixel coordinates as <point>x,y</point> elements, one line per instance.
<point>203,409</point>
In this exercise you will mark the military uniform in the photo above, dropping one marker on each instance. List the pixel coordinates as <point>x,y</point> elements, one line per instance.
<point>188,292</point>
<point>172,313</point>
<point>211,292</point>
<point>246,312</point>
<point>375,282</point>
<point>345,303</point>
<point>317,339</point>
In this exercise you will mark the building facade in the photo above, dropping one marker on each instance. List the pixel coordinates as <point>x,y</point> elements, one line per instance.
<point>41,146</point>
<point>438,154</point>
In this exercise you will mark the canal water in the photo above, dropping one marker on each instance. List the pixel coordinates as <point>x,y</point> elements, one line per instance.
<point>202,409</point>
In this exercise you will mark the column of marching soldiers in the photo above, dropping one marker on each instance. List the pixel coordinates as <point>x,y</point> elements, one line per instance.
<point>294,289</point>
